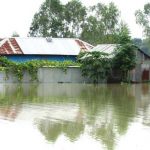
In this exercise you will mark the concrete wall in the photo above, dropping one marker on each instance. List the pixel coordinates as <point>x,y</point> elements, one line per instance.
<point>58,75</point>
<point>50,75</point>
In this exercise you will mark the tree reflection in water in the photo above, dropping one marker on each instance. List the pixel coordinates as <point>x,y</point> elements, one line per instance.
<point>52,130</point>
<point>104,111</point>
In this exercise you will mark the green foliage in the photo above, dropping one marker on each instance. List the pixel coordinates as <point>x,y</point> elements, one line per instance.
<point>18,69</point>
<point>15,34</point>
<point>95,65</point>
<point>75,16</point>
<point>137,41</point>
<point>58,20</point>
<point>102,24</point>
<point>48,21</point>
<point>143,19</point>
<point>93,31</point>
<point>123,34</point>
<point>97,24</point>
<point>108,15</point>
<point>125,59</point>
<point>143,44</point>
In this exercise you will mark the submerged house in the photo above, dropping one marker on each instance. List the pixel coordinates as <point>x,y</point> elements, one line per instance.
<point>142,70</point>
<point>38,48</point>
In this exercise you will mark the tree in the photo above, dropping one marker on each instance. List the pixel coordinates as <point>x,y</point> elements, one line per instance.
<point>95,65</point>
<point>143,44</point>
<point>93,31</point>
<point>98,24</point>
<point>108,15</point>
<point>146,45</point>
<point>15,34</point>
<point>143,19</point>
<point>48,21</point>
<point>137,41</point>
<point>102,24</point>
<point>57,20</point>
<point>125,59</point>
<point>75,16</point>
<point>122,36</point>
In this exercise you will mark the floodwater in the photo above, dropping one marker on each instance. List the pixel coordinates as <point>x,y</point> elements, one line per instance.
<point>74,117</point>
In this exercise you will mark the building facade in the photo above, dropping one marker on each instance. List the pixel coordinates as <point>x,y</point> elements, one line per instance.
<point>38,48</point>
<point>140,73</point>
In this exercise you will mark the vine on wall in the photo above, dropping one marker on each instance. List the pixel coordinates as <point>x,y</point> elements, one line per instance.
<point>18,69</point>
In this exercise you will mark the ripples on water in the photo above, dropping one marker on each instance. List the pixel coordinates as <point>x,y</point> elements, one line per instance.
<point>74,117</point>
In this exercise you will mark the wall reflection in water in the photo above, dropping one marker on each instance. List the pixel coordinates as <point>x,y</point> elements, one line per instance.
<point>104,112</point>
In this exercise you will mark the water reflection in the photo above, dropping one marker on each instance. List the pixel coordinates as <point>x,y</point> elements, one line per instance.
<point>71,130</point>
<point>103,112</point>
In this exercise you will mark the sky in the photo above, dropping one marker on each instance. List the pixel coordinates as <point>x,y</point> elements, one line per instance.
<point>17,15</point>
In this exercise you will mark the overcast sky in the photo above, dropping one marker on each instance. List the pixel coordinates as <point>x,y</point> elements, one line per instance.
<point>16,15</point>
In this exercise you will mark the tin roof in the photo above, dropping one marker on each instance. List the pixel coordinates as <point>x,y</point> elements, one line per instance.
<point>43,46</point>
<point>106,48</point>
<point>110,49</point>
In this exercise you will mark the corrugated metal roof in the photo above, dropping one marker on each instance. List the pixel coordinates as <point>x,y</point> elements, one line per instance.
<point>107,48</point>
<point>42,46</point>
<point>10,46</point>
<point>110,49</point>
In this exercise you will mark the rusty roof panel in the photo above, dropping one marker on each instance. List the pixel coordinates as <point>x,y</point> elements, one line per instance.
<point>10,46</point>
